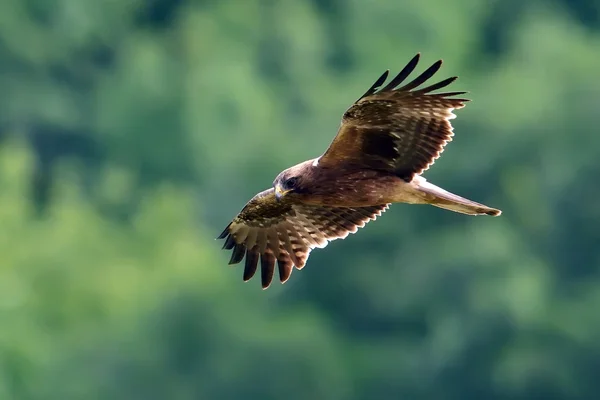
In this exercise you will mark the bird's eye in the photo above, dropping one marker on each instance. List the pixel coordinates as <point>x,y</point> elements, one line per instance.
<point>291,183</point>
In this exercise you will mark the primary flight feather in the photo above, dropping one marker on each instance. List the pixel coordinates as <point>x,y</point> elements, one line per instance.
<point>386,140</point>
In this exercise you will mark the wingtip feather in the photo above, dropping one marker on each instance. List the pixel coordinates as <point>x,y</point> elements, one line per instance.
<point>225,232</point>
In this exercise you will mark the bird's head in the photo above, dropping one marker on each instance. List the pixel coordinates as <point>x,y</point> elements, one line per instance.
<point>292,180</point>
<point>284,185</point>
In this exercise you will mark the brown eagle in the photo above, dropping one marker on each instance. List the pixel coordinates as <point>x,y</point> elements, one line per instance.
<point>386,140</point>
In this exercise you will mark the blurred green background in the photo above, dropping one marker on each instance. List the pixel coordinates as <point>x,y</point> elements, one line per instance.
<point>132,131</point>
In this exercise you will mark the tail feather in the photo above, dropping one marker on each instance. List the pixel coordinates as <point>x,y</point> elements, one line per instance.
<point>439,197</point>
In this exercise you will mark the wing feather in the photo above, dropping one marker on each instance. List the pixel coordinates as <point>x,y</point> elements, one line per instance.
<point>267,267</point>
<point>251,264</point>
<point>419,80</point>
<point>229,242</point>
<point>376,85</point>
<point>238,253</point>
<point>402,75</point>
<point>285,267</point>
<point>401,130</point>
<point>285,233</point>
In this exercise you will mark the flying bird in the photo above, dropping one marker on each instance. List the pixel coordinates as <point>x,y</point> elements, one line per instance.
<point>386,140</point>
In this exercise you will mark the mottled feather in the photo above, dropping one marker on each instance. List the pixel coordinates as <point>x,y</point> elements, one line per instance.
<point>401,130</point>
<point>285,233</point>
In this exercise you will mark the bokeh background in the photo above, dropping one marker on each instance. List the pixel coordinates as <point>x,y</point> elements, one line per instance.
<point>132,131</point>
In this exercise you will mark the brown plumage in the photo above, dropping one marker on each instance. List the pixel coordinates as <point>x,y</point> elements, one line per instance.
<point>387,139</point>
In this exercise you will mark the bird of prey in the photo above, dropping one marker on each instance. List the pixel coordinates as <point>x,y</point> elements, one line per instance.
<point>386,140</point>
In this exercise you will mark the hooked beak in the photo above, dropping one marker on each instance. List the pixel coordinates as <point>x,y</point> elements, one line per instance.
<point>279,192</point>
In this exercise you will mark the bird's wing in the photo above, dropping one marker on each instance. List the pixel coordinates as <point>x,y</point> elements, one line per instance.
<point>402,130</point>
<point>270,231</point>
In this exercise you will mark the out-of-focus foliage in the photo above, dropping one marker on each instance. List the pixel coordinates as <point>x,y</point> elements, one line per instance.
<point>132,131</point>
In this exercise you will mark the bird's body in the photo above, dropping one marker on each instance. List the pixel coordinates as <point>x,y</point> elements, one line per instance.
<point>347,186</point>
<point>386,140</point>
<point>358,187</point>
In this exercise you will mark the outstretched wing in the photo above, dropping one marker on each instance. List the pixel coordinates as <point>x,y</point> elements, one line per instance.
<point>401,130</point>
<point>270,231</point>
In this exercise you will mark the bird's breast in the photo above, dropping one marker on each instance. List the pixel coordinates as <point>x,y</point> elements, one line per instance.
<point>352,189</point>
